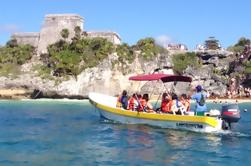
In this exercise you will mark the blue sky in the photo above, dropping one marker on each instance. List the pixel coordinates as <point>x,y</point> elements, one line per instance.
<point>177,21</point>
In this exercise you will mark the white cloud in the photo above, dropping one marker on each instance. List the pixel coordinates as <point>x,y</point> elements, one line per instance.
<point>163,40</point>
<point>9,28</point>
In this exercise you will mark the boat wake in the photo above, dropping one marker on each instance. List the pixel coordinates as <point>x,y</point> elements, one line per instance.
<point>105,120</point>
<point>223,133</point>
<point>229,133</point>
<point>236,134</point>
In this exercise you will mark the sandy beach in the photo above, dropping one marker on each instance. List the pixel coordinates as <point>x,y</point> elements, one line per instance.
<point>14,93</point>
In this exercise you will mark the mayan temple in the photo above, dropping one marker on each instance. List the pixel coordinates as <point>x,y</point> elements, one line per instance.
<point>51,28</point>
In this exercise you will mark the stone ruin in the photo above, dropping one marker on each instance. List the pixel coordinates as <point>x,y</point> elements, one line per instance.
<point>110,36</point>
<point>31,38</point>
<point>51,28</point>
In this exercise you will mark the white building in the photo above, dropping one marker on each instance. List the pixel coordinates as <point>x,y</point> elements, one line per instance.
<point>179,47</point>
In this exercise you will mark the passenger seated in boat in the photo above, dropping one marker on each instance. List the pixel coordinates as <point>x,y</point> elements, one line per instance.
<point>145,105</point>
<point>118,104</point>
<point>200,99</point>
<point>185,102</point>
<point>122,101</point>
<point>133,104</point>
<point>177,106</point>
<point>166,103</point>
<point>138,98</point>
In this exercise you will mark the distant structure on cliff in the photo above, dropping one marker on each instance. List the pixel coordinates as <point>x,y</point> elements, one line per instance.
<point>210,44</point>
<point>110,36</point>
<point>53,25</point>
<point>177,47</point>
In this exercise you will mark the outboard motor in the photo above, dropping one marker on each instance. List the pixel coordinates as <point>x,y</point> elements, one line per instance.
<point>230,113</point>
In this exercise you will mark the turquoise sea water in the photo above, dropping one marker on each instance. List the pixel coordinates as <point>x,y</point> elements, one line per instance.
<point>58,133</point>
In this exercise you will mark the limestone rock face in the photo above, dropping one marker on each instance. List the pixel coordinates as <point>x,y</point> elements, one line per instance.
<point>109,79</point>
<point>28,81</point>
<point>210,76</point>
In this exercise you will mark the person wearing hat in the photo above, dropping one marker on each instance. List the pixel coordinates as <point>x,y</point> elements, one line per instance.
<point>200,99</point>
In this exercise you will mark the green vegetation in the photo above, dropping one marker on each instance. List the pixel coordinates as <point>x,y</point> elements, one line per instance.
<point>125,53</point>
<point>240,45</point>
<point>9,69</point>
<point>183,60</point>
<point>43,71</point>
<point>12,56</point>
<point>248,70</point>
<point>222,73</point>
<point>17,54</point>
<point>212,43</point>
<point>65,33</point>
<point>12,43</point>
<point>71,58</point>
<point>243,42</point>
<point>236,49</point>
<point>77,31</point>
<point>247,65</point>
<point>148,48</point>
<point>65,59</point>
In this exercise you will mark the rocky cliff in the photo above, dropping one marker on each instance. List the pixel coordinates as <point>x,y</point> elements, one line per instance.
<point>112,79</point>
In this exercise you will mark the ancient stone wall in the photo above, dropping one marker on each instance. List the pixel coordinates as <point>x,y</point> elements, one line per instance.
<point>31,38</point>
<point>51,32</point>
<point>53,25</point>
<point>110,36</point>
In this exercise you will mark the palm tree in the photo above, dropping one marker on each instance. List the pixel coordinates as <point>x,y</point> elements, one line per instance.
<point>65,33</point>
<point>77,31</point>
<point>12,43</point>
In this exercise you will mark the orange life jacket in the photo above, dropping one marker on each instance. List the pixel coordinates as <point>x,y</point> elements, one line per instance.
<point>164,106</point>
<point>142,105</point>
<point>169,105</point>
<point>131,104</point>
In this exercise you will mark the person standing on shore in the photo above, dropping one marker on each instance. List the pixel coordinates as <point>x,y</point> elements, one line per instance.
<point>200,99</point>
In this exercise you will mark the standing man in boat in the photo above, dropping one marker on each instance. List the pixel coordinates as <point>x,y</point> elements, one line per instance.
<point>200,99</point>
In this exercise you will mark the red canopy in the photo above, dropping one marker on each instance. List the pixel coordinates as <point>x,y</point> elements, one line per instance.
<point>148,77</point>
<point>163,77</point>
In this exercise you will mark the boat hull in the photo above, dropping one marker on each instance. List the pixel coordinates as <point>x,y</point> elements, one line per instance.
<point>184,122</point>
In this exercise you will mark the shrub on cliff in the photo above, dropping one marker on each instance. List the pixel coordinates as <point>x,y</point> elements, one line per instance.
<point>243,42</point>
<point>125,53</point>
<point>12,56</point>
<point>183,60</point>
<point>240,45</point>
<point>247,66</point>
<point>9,70</point>
<point>148,48</point>
<point>65,33</point>
<point>18,54</point>
<point>12,43</point>
<point>71,58</point>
